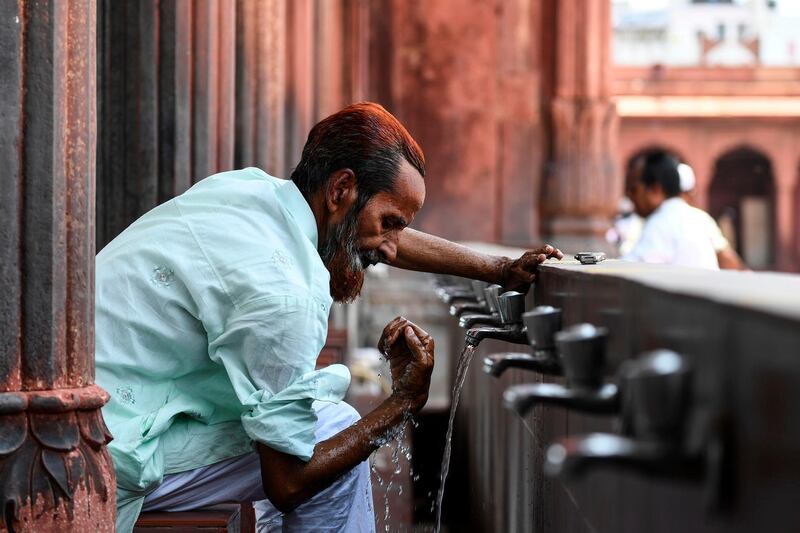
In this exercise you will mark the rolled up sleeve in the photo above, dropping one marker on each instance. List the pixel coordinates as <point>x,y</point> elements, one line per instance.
<point>269,349</point>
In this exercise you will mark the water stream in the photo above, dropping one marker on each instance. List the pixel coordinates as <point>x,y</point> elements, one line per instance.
<point>461,376</point>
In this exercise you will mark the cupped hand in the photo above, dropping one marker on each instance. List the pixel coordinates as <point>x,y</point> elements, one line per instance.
<point>410,352</point>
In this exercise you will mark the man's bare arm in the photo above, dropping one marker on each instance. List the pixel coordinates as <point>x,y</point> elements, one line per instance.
<point>420,251</point>
<point>728,259</point>
<point>288,481</point>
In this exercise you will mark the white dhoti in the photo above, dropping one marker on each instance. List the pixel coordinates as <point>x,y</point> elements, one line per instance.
<point>345,506</point>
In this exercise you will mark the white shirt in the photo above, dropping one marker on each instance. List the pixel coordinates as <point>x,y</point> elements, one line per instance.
<point>679,234</point>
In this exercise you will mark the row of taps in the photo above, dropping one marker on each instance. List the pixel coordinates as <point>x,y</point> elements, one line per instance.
<point>651,395</point>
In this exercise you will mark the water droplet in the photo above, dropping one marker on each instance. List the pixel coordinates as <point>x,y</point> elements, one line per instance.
<point>162,276</point>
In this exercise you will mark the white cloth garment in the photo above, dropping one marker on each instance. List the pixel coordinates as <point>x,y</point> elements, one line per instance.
<point>679,234</point>
<point>345,506</point>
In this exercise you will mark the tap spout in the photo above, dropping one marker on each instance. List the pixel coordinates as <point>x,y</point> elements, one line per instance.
<point>602,400</point>
<point>466,306</point>
<point>541,362</point>
<point>471,320</point>
<point>448,295</point>
<point>513,333</point>
<point>573,457</point>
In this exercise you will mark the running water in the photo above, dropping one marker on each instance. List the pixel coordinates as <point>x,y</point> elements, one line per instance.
<point>461,376</point>
<point>392,457</point>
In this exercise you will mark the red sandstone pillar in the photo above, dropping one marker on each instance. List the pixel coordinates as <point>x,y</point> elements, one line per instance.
<point>582,183</point>
<point>213,86</point>
<point>301,79</point>
<point>520,122</point>
<point>166,110</point>
<point>355,55</point>
<point>55,472</point>
<point>261,85</point>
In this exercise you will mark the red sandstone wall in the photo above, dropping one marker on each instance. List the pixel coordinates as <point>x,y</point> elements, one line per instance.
<point>465,77</point>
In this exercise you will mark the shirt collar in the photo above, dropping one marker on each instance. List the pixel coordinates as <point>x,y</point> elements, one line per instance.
<point>668,204</point>
<point>297,207</point>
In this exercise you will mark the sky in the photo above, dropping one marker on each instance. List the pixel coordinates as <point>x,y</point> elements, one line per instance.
<point>786,8</point>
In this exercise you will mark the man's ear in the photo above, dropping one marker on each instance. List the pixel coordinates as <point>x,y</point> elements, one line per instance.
<point>341,192</point>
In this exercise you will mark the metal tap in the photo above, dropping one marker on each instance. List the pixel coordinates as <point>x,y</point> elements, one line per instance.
<point>490,316</point>
<point>655,403</point>
<point>479,306</point>
<point>450,288</point>
<point>470,321</point>
<point>581,349</point>
<point>510,306</point>
<point>541,324</point>
<point>450,295</point>
<point>466,306</point>
<point>497,363</point>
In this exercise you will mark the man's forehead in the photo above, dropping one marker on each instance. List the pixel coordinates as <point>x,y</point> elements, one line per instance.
<point>409,185</point>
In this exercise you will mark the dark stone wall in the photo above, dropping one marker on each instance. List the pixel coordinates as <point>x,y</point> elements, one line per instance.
<point>740,332</point>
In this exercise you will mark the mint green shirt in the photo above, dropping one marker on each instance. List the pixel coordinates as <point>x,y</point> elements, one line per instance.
<point>211,310</point>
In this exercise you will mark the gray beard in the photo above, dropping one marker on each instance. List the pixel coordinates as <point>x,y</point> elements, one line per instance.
<point>343,239</point>
<point>343,259</point>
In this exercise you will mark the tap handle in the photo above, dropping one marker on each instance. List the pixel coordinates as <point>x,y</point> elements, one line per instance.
<point>497,363</point>
<point>582,349</point>
<point>541,325</point>
<point>477,288</point>
<point>492,293</point>
<point>511,305</point>
<point>466,306</point>
<point>521,398</point>
<point>468,321</point>
<point>572,457</point>
<point>656,397</point>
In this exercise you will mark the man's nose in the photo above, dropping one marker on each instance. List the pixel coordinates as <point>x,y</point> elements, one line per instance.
<point>388,249</point>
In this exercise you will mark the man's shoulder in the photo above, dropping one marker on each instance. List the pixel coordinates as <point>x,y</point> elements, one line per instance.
<point>227,186</point>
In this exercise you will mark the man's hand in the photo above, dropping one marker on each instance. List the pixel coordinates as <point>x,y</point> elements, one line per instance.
<point>518,274</point>
<point>409,350</point>
<point>427,253</point>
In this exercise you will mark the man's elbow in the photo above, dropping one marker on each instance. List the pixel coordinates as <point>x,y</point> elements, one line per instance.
<point>283,479</point>
<point>286,496</point>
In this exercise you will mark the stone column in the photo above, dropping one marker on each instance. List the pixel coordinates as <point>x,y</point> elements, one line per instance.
<point>55,471</point>
<point>520,125</point>
<point>166,102</point>
<point>582,182</point>
<point>355,55</point>
<point>300,76</point>
<point>261,85</point>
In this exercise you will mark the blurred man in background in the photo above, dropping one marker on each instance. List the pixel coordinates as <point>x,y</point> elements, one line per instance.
<point>674,232</point>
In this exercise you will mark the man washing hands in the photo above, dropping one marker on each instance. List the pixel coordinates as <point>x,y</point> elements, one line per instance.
<point>211,311</point>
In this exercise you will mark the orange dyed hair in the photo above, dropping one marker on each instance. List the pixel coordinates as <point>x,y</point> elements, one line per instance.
<point>363,137</point>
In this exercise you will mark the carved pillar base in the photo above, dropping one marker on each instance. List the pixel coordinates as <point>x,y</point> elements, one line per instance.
<point>54,466</point>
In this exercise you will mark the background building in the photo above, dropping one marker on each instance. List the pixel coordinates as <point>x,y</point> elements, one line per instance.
<point>717,84</point>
